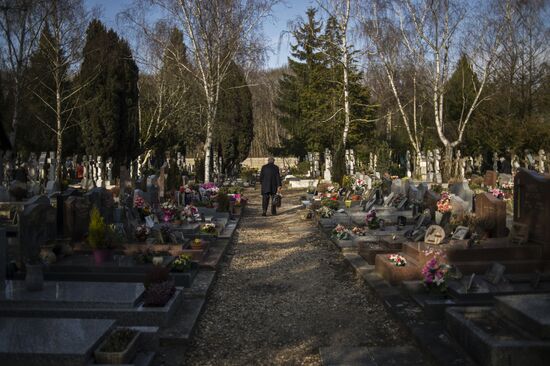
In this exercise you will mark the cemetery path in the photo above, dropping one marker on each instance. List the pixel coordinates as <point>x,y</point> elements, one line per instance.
<point>283,292</point>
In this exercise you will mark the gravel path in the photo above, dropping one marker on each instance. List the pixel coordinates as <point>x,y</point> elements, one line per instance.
<point>283,292</point>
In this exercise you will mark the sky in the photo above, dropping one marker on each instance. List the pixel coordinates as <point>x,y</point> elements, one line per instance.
<point>274,26</point>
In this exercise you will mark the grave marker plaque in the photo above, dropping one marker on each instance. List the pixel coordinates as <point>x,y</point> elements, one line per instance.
<point>495,274</point>
<point>434,235</point>
<point>490,178</point>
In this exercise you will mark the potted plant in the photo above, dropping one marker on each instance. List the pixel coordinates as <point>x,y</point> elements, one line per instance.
<point>100,237</point>
<point>159,287</point>
<point>182,263</point>
<point>209,229</point>
<point>197,244</point>
<point>120,347</point>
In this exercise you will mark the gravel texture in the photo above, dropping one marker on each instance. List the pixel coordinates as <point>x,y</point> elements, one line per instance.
<point>282,292</point>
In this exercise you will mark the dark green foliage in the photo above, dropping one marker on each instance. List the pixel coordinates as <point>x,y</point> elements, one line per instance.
<point>311,97</point>
<point>110,75</point>
<point>234,129</point>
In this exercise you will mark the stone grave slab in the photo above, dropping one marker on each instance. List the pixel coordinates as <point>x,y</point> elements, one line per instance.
<point>531,311</point>
<point>72,294</point>
<point>55,342</point>
<point>434,235</point>
<point>490,178</point>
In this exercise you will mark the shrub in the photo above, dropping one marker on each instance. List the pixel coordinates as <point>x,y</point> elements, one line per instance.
<point>100,235</point>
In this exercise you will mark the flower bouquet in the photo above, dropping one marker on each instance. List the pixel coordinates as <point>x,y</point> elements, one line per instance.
<point>359,231</point>
<point>169,210</point>
<point>182,263</point>
<point>191,213</point>
<point>397,260</point>
<point>142,232</point>
<point>435,274</point>
<point>209,229</point>
<point>373,222</point>
<point>325,212</point>
<point>497,193</point>
<point>142,206</point>
<point>340,233</point>
<point>444,203</point>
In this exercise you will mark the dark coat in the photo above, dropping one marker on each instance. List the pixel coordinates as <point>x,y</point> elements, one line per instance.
<point>270,178</point>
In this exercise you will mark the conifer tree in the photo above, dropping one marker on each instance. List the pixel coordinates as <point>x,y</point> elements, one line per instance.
<point>109,117</point>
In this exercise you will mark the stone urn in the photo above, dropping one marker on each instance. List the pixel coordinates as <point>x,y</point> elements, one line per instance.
<point>34,278</point>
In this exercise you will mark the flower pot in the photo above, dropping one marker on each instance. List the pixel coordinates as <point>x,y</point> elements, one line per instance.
<point>347,203</point>
<point>34,278</point>
<point>117,358</point>
<point>157,261</point>
<point>442,218</point>
<point>102,255</point>
<point>237,210</point>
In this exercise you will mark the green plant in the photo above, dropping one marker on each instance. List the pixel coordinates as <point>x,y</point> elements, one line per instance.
<point>437,188</point>
<point>347,181</point>
<point>223,201</point>
<point>332,204</point>
<point>119,340</point>
<point>100,235</point>
<point>301,169</point>
<point>181,263</point>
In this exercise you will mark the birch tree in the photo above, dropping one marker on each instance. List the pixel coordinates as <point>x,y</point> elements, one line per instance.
<point>217,32</point>
<point>20,26</point>
<point>340,11</point>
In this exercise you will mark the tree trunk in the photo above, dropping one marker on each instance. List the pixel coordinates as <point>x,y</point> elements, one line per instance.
<point>59,135</point>
<point>15,116</point>
<point>208,148</point>
<point>448,163</point>
<point>346,99</point>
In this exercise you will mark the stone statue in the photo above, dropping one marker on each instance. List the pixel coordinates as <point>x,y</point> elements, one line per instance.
<point>437,166</point>
<point>542,161</point>
<point>430,166</point>
<point>408,163</point>
<point>495,162</point>
<point>478,163</point>
<point>328,166</point>
<point>110,170</point>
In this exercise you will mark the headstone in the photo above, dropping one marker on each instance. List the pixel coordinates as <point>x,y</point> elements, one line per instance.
<point>462,190</point>
<point>532,205</point>
<point>76,217</point>
<point>153,190</point>
<point>490,179</point>
<point>37,225</point>
<point>495,274</point>
<point>490,207</point>
<point>397,187</point>
<point>458,205</point>
<point>430,200</point>
<point>103,200</point>
<point>434,235</point>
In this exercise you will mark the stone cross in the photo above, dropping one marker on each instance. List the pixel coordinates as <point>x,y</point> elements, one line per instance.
<point>328,166</point>
<point>316,168</point>
<point>430,166</point>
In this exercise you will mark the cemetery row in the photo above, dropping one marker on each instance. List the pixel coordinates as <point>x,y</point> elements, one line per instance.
<point>464,264</point>
<point>104,276</point>
<point>426,166</point>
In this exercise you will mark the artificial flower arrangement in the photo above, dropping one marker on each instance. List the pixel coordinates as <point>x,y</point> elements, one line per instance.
<point>444,203</point>
<point>182,263</point>
<point>341,233</point>
<point>142,232</point>
<point>325,212</point>
<point>169,210</point>
<point>210,188</point>
<point>208,228</point>
<point>497,193</point>
<point>142,206</point>
<point>197,244</point>
<point>191,212</point>
<point>373,222</point>
<point>435,274</point>
<point>331,203</point>
<point>397,260</point>
<point>359,231</point>
<point>238,198</point>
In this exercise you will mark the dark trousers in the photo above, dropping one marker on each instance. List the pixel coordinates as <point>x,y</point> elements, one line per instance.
<point>265,202</point>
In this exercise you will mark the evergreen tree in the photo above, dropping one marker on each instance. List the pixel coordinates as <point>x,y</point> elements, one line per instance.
<point>235,127</point>
<point>109,116</point>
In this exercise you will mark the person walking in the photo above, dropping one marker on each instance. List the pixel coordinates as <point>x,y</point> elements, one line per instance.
<point>270,179</point>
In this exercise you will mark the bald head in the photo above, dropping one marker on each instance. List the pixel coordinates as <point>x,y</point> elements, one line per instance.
<point>271,160</point>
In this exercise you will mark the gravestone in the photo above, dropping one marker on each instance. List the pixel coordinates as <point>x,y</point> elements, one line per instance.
<point>434,235</point>
<point>532,205</point>
<point>458,206</point>
<point>430,200</point>
<point>161,181</point>
<point>460,233</point>
<point>462,190</point>
<point>490,207</point>
<point>76,217</point>
<point>398,187</point>
<point>103,200</point>
<point>490,178</point>
<point>3,258</point>
<point>495,274</point>
<point>37,226</point>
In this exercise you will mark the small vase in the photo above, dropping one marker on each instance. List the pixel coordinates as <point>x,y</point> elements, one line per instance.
<point>438,217</point>
<point>34,278</point>
<point>102,255</point>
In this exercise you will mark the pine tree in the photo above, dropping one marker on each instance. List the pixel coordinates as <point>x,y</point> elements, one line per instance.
<point>109,117</point>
